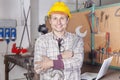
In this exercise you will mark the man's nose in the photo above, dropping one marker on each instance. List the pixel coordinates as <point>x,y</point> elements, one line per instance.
<point>59,21</point>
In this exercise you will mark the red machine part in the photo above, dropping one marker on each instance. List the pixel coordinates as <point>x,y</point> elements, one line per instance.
<point>17,50</point>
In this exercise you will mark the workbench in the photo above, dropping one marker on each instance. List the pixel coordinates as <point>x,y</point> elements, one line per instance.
<point>23,61</point>
<point>112,74</point>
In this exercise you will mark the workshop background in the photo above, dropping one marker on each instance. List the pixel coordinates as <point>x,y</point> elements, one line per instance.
<point>18,10</point>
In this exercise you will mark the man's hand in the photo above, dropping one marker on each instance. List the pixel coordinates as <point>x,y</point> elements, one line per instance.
<point>45,64</point>
<point>67,54</point>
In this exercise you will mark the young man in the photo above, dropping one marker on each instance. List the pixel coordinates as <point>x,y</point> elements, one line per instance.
<point>53,59</point>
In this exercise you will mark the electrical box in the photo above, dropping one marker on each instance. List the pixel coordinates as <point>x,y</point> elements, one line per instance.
<point>8,23</point>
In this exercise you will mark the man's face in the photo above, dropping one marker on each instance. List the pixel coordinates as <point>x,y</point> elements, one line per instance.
<point>58,22</point>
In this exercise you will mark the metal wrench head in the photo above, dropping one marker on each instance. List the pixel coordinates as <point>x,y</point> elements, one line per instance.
<point>78,33</point>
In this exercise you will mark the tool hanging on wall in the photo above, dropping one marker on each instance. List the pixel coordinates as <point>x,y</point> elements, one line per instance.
<point>102,14</point>
<point>99,53</point>
<point>118,62</point>
<point>108,48</point>
<point>103,51</point>
<point>95,20</point>
<point>117,13</point>
<point>97,25</point>
<point>1,34</point>
<point>106,24</point>
<point>116,54</point>
<point>88,4</point>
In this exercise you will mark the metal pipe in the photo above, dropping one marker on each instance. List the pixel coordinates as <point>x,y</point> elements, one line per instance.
<point>76,5</point>
<point>100,2</point>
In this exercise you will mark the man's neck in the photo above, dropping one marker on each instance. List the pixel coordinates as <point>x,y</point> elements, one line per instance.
<point>59,34</point>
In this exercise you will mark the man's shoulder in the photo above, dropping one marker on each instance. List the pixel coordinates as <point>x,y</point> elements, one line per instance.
<point>44,37</point>
<point>70,35</point>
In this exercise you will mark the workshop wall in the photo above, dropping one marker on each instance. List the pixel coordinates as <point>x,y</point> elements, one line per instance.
<point>12,9</point>
<point>108,23</point>
<point>104,2</point>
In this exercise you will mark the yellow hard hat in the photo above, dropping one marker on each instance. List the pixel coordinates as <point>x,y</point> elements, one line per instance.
<point>59,7</point>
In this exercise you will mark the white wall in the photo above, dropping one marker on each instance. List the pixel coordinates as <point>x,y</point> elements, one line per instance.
<point>34,19</point>
<point>12,9</point>
<point>44,6</point>
<point>104,2</point>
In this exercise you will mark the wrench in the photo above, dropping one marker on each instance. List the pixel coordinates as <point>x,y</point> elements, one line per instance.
<point>75,42</point>
<point>78,36</point>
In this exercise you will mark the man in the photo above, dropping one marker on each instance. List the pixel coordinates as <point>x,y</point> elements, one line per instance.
<point>53,58</point>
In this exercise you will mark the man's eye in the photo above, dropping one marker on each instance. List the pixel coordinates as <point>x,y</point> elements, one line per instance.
<point>54,18</point>
<point>62,18</point>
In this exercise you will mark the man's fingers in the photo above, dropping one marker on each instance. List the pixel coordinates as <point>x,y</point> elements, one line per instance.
<point>38,66</point>
<point>45,57</point>
<point>67,54</point>
<point>37,62</point>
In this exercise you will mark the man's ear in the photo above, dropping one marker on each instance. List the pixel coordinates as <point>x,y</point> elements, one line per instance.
<point>68,20</point>
<point>49,20</point>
